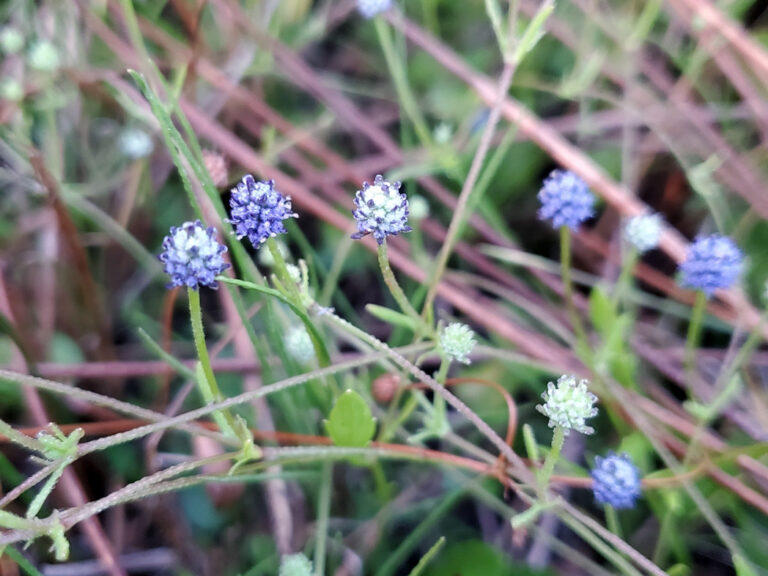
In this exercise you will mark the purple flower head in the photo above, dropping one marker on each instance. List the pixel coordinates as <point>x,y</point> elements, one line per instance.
<point>616,481</point>
<point>192,256</point>
<point>258,210</point>
<point>565,200</point>
<point>712,263</point>
<point>381,210</point>
<point>370,8</point>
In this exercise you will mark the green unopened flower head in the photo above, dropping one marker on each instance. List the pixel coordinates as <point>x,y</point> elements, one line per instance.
<point>299,345</point>
<point>568,404</point>
<point>44,57</point>
<point>11,40</point>
<point>457,341</point>
<point>295,565</point>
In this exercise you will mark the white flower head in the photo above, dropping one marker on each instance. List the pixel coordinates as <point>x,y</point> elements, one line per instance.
<point>299,344</point>
<point>644,231</point>
<point>457,341</point>
<point>568,404</point>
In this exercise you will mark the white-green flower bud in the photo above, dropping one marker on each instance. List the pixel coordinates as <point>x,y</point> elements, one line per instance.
<point>643,231</point>
<point>457,342</point>
<point>568,404</point>
<point>299,344</point>
<point>44,57</point>
<point>418,207</point>
<point>11,40</point>
<point>11,90</point>
<point>295,565</point>
<point>135,143</point>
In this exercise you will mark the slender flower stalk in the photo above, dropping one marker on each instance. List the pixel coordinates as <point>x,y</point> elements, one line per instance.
<point>394,286</point>
<point>209,388</point>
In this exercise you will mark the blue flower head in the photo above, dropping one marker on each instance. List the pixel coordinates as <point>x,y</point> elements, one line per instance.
<point>381,210</point>
<point>616,481</point>
<point>370,8</point>
<point>192,256</point>
<point>566,200</point>
<point>712,263</point>
<point>258,210</point>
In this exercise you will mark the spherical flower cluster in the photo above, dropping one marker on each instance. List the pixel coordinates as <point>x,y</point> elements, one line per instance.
<point>299,345</point>
<point>135,143</point>
<point>565,200</point>
<point>381,210</point>
<point>644,231</point>
<point>44,56</point>
<point>258,210</point>
<point>295,565</point>
<point>616,481</point>
<point>370,8</point>
<point>457,341</point>
<point>568,404</point>
<point>712,263</point>
<point>192,256</point>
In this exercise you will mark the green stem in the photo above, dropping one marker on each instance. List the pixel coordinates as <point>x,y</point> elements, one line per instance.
<point>558,439</point>
<point>394,287</point>
<point>565,263</point>
<point>612,520</point>
<point>441,421</point>
<point>694,334</point>
<point>400,79</point>
<point>282,272</point>
<point>323,512</point>
<point>625,278</point>
<point>209,389</point>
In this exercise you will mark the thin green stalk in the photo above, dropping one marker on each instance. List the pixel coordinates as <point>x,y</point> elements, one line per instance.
<point>694,334</point>
<point>282,272</point>
<point>323,513</point>
<point>394,287</point>
<point>441,421</point>
<point>209,389</point>
<point>400,79</point>
<point>21,439</point>
<point>565,264</point>
<point>558,439</point>
<point>467,188</point>
<point>625,277</point>
<point>612,520</point>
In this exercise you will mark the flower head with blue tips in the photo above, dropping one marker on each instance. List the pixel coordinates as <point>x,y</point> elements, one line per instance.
<point>370,8</point>
<point>712,263</point>
<point>565,200</point>
<point>616,481</point>
<point>258,210</point>
<point>381,210</point>
<point>192,256</point>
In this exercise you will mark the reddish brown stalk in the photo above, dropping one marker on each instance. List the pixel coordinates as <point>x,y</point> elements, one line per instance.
<point>91,296</point>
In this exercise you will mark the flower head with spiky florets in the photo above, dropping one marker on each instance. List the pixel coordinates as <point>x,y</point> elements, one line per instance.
<point>258,210</point>
<point>616,481</point>
<point>295,565</point>
<point>644,231</point>
<point>568,404</point>
<point>299,345</point>
<point>380,210</point>
<point>565,200</point>
<point>457,342</point>
<point>712,263</point>
<point>192,256</point>
<point>370,8</point>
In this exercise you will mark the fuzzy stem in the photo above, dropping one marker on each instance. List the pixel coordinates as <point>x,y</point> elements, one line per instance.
<point>625,277</point>
<point>209,389</point>
<point>282,272</point>
<point>612,519</point>
<point>394,287</point>
<point>558,439</point>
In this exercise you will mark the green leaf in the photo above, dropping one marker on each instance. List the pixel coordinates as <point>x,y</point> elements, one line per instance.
<point>602,311</point>
<point>391,317</point>
<point>350,422</point>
